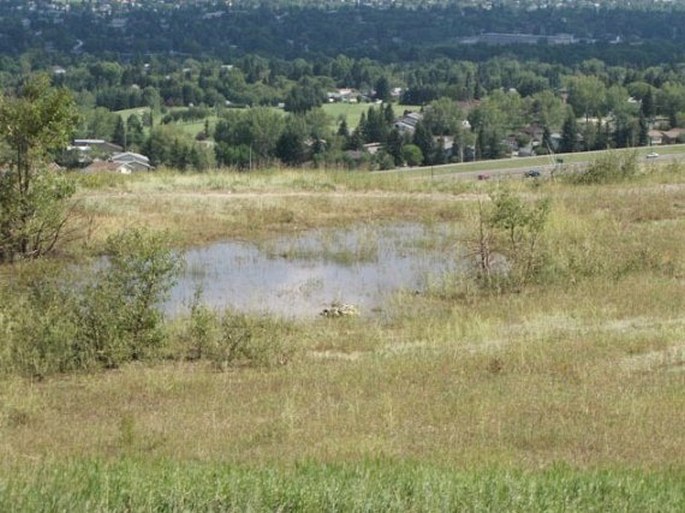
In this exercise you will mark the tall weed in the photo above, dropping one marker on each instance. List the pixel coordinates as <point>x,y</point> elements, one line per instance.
<point>609,167</point>
<point>230,339</point>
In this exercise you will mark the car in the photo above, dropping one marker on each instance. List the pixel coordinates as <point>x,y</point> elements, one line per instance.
<point>533,173</point>
<point>484,176</point>
<point>652,155</point>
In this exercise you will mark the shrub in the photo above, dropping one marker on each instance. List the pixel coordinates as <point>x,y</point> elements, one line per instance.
<point>57,320</point>
<point>507,241</point>
<point>119,311</point>
<point>37,324</point>
<point>610,167</point>
<point>230,339</point>
<point>34,210</point>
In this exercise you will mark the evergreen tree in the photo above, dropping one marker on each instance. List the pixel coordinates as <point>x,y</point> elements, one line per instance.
<point>643,130</point>
<point>389,115</point>
<point>647,105</point>
<point>547,139</point>
<point>119,135</point>
<point>480,143</point>
<point>394,145</point>
<point>343,129</point>
<point>134,131</point>
<point>569,134</point>
<point>383,89</point>
<point>423,138</point>
<point>356,140</point>
<point>290,147</point>
<point>375,128</point>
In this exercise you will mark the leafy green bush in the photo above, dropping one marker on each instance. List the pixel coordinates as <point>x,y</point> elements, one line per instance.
<point>507,243</point>
<point>57,320</point>
<point>34,209</point>
<point>118,312</point>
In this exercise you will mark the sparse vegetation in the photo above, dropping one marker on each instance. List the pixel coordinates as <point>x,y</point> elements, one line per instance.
<point>567,390</point>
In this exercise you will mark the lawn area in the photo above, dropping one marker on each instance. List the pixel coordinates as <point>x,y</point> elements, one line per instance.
<point>352,112</point>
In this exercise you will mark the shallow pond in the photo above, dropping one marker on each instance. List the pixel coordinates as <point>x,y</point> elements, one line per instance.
<point>300,276</point>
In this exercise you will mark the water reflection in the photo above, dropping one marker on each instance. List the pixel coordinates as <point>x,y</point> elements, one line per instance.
<point>298,277</point>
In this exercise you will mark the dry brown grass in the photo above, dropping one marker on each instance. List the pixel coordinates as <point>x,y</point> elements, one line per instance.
<point>588,371</point>
<point>522,381</point>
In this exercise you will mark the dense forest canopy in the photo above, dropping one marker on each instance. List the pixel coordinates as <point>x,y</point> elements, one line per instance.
<point>489,77</point>
<point>286,30</point>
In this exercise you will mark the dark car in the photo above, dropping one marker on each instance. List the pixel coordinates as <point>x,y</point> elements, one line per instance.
<point>484,176</point>
<point>533,173</point>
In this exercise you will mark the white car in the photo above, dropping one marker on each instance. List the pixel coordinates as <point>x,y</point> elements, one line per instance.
<point>652,155</point>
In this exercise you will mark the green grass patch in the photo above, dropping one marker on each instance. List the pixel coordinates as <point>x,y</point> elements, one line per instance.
<point>352,112</point>
<point>379,485</point>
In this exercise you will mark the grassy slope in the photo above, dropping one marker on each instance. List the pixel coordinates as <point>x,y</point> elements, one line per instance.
<point>445,401</point>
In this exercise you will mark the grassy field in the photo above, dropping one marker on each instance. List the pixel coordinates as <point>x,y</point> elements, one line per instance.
<point>565,393</point>
<point>351,112</point>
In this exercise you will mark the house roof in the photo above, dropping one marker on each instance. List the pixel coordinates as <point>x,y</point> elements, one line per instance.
<point>128,156</point>
<point>673,133</point>
<point>408,121</point>
<point>101,144</point>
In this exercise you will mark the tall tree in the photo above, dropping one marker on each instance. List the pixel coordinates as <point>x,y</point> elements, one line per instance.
<point>423,138</point>
<point>569,134</point>
<point>586,95</point>
<point>119,135</point>
<point>33,122</point>
<point>134,131</point>
<point>382,87</point>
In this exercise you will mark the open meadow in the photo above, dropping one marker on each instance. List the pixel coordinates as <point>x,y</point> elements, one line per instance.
<point>554,381</point>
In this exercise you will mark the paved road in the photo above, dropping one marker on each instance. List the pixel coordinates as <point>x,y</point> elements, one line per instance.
<point>519,168</point>
<point>545,170</point>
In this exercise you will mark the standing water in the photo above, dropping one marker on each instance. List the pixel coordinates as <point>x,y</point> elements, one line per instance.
<point>299,277</point>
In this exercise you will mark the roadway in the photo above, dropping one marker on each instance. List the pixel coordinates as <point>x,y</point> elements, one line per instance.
<point>518,166</point>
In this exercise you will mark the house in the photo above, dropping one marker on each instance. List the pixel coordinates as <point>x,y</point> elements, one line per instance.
<point>446,144</point>
<point>373,148</point>
<point>673,135</point>
<point>135,161</point>
<point>534,131</point>
<point>344,95</point>
<point>101,166</point>
<point>407,123</point>
<point>655,137</point>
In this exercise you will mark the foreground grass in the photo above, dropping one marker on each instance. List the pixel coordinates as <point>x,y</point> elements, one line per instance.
<point>380,485</point>
<point>591,376</point>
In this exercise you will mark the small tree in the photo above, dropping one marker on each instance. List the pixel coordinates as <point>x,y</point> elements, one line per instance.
<point>119,314</point>
<point>510,228</point>
<point>412,155</point>
<point>33,210</point>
